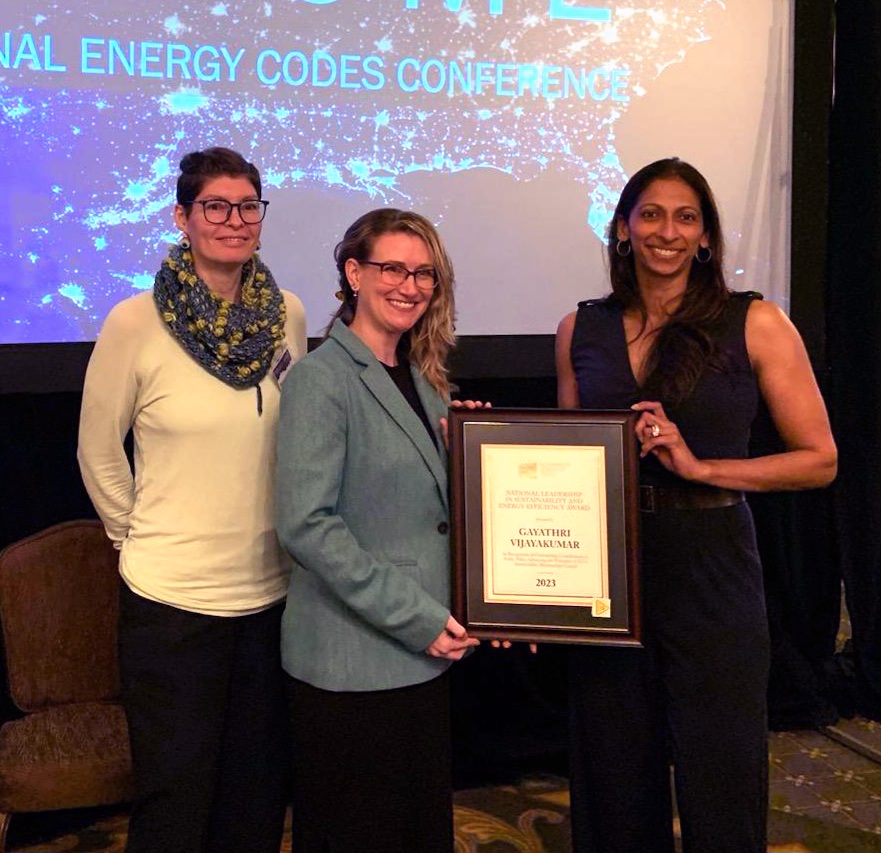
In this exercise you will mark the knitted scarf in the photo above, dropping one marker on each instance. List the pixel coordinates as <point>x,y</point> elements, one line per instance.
<point>232,341</point>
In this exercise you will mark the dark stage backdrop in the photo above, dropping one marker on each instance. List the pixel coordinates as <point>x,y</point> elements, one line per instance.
<point>509,710</point>
<point>853,312</point>
<point>795,530</point>
<point>812,541</point>
<point>808,540</point>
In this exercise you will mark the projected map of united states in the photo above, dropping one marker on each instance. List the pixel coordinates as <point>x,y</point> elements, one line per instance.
<point>348,98</point>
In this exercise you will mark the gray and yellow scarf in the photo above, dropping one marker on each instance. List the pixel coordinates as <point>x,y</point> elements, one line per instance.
<point>233,341</point>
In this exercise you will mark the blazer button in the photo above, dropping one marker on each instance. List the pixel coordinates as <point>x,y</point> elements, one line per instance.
<point>443,527</point>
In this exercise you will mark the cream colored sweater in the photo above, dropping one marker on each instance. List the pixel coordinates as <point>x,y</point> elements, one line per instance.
<point>195,525</point>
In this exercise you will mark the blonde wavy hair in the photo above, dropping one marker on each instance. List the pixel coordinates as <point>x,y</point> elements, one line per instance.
<point>428,343</point>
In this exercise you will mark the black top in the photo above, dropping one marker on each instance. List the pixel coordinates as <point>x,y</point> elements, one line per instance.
<point>714,420</point>
<point>402,377</point>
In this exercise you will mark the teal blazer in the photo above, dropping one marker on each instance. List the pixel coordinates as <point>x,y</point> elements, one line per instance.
<point>362,508</point>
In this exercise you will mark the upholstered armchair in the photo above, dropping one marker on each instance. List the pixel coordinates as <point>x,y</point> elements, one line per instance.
<point>58,606</point>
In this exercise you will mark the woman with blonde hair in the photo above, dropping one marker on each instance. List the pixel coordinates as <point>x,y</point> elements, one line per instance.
<point>362,507</point>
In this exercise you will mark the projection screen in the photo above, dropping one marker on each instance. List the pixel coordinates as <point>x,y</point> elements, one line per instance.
<point>512,124</point>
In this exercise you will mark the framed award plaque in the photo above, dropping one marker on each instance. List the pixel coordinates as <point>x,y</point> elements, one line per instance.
<point>545,524</point>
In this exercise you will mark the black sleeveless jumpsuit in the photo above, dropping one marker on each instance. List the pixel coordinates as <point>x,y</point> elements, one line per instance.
<point>695,696</point>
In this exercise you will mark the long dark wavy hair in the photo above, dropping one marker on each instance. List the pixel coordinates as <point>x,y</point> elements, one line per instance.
<point>684,346</point>
<point>428,343</point>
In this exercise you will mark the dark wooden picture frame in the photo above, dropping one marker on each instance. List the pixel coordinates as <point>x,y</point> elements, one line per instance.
<point>612,431</point>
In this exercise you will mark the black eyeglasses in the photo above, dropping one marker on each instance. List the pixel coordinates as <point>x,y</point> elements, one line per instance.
<point>218,210</point>
<point>394,274</point>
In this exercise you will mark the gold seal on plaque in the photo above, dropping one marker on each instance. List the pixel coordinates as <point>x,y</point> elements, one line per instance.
<point>602,607</point>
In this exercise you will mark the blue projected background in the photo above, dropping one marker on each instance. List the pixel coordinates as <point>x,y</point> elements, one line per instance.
<point>513,124</point>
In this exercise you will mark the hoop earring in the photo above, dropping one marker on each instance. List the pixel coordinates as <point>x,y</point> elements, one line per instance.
<point>183,241</point>
<point>703,258</point>
<point>618,246</point>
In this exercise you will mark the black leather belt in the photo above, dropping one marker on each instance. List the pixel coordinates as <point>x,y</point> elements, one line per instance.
<point>661,498</point>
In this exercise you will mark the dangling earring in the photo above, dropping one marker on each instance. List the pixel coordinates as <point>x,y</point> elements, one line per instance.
<point>183,240</point>
<point>704,258</point>
<point>259,247</point>
<point>628,249</point>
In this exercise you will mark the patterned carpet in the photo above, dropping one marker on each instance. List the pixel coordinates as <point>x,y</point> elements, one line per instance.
<point>825,798</point>
<point>815,776</point>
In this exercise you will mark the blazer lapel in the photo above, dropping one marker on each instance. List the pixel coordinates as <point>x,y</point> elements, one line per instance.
<point>381,386</point>
<point>435,410</point>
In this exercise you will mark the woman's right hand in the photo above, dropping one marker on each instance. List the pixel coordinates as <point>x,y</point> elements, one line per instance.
<point>452,642</point>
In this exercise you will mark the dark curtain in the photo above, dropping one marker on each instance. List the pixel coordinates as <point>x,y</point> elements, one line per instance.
<point>40,482</point>
<point>795,534</point>
<point>509,707</point>
<point>853,311</point>
<point>796,530</point>
<point>811,541</point>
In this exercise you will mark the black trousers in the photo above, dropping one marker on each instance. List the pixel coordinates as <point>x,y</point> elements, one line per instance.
<point>693,697</point>
<point>204,700</point>
<point>371,770</point>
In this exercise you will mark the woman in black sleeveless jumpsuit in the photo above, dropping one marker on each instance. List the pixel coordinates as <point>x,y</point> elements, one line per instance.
<point>694,696</point>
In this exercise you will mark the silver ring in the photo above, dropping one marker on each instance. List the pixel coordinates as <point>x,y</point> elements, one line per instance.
<point>655,430</point>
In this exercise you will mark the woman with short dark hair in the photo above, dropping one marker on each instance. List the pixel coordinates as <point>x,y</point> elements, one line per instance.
<point>191,368</point>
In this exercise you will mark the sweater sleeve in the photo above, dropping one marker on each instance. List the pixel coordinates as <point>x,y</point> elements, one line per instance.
<point>295,325</point>
<point>311,465</point>
<point>107,414</point>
